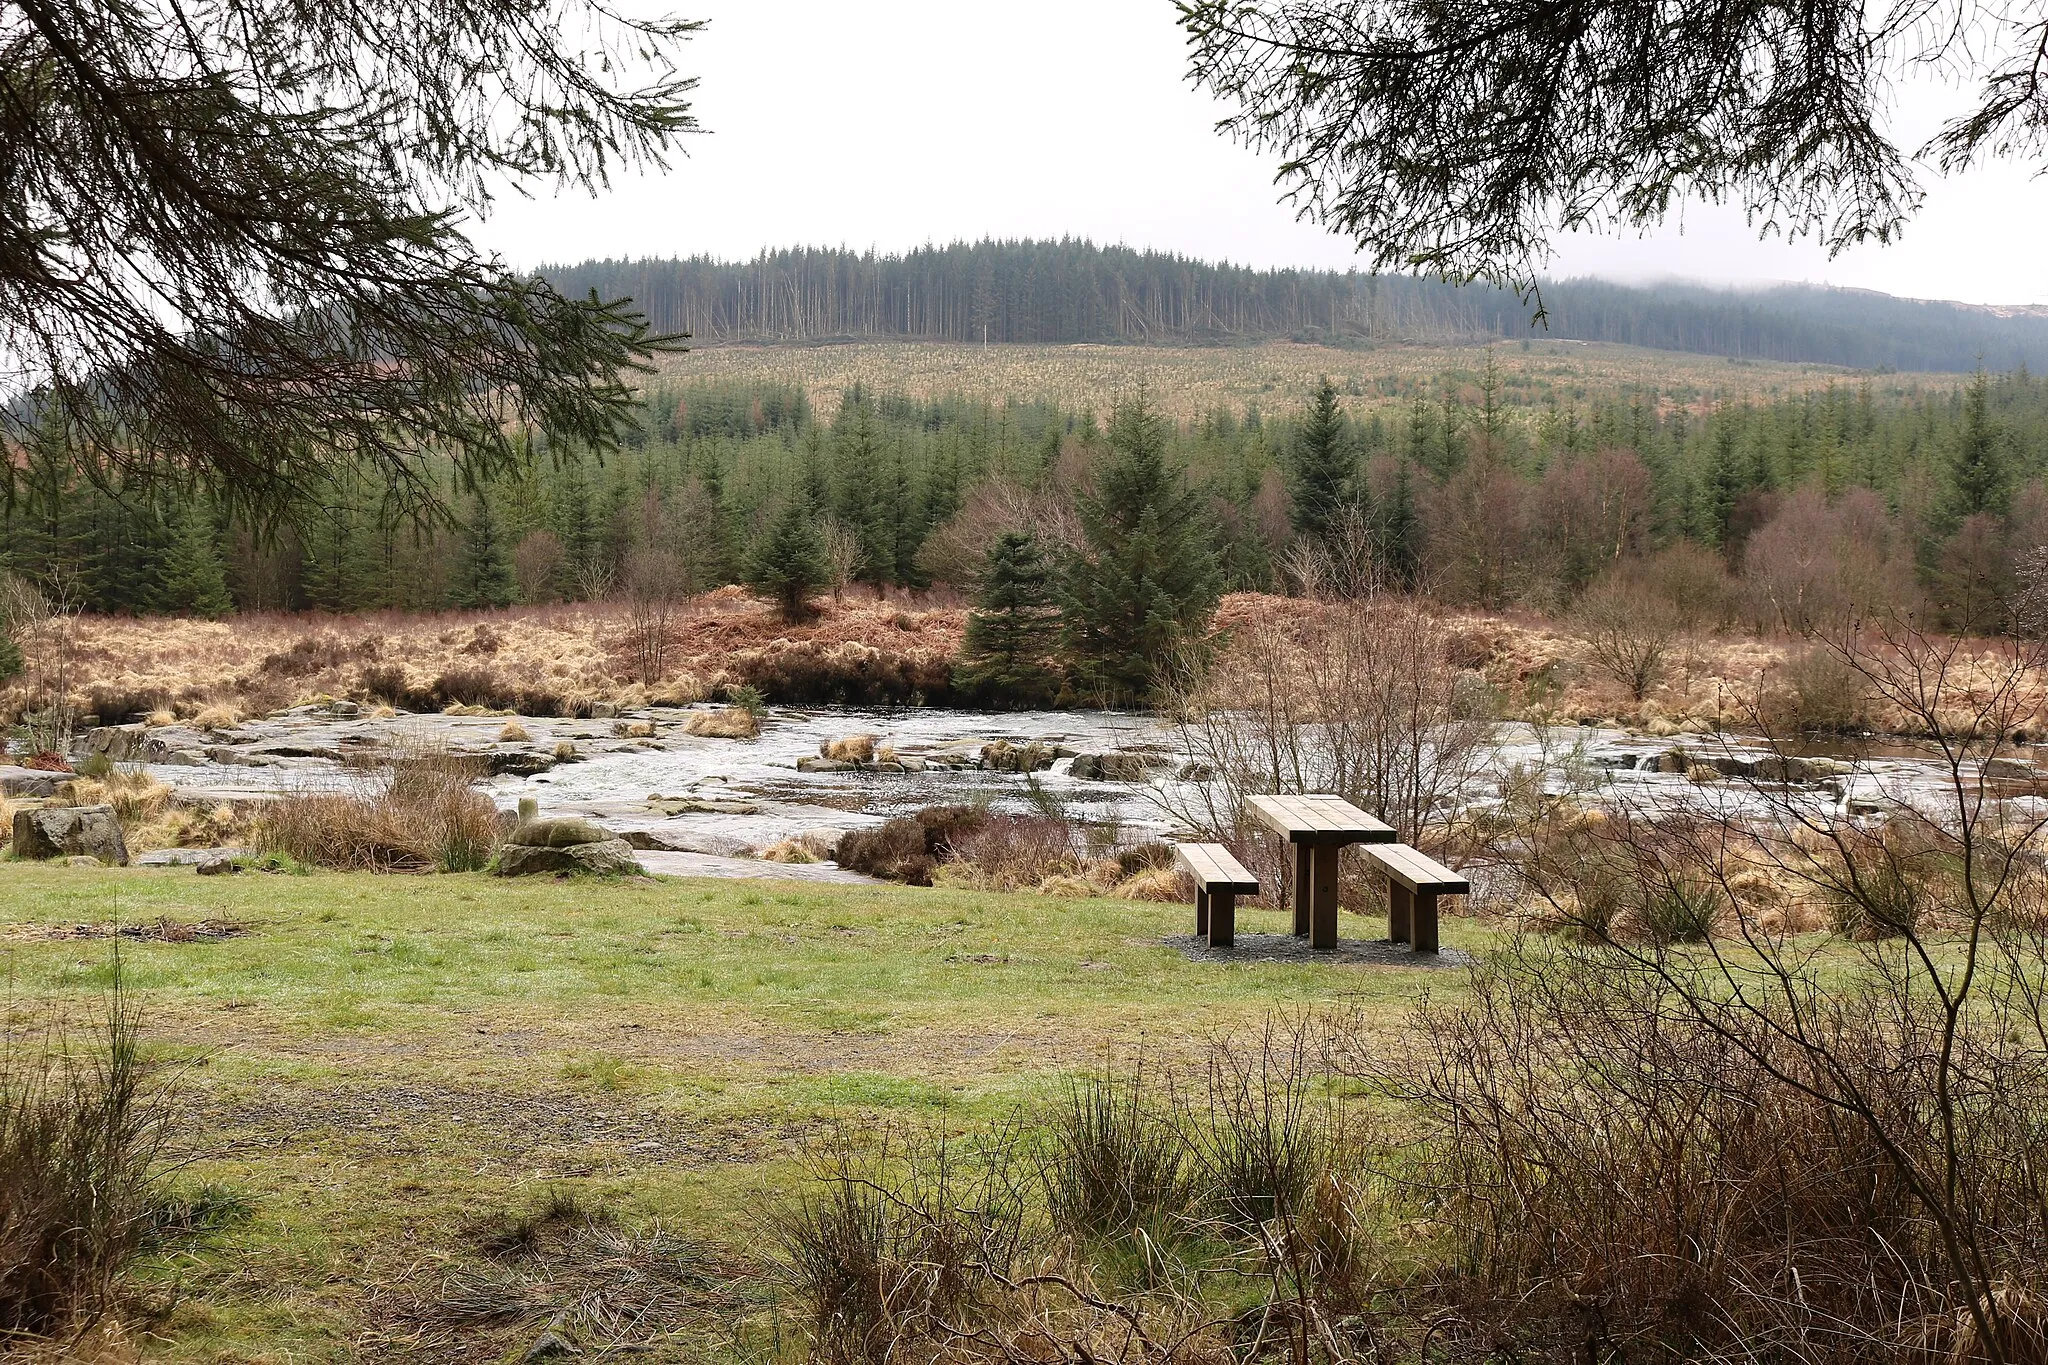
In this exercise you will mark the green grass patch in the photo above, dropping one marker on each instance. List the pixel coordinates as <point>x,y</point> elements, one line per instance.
<point>382,1061</point>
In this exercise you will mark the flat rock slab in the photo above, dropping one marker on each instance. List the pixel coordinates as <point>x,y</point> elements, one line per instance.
<point>710,865</point>
<point>1350,952</point>
<point>188,857</point>
<point>29,781</point>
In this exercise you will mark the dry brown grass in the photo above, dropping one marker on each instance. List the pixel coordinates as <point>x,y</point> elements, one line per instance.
<point>726,722</point>
<point>422,814</point>
<point>558,658</point>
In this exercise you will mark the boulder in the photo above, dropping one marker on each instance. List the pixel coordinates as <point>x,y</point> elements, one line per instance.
<point>58,831</point>
<point>1114,767</point>
<point>117,742</point>
<point>1005,757</point>
<point>604,856</point>
<point>29,782</point>
<point>2010,768</point>
<point>824,765</point>
<point>519,762</point>
<point>217,865</point>
<point>557,833</point>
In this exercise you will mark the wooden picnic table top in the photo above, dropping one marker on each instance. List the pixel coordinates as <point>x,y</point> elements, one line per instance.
<point>1320,819</point>
<point>1417,870</point>
<point>1214,867</point>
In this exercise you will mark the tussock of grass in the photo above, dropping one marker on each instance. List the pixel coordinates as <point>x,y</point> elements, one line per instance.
<point>422,814</point>
<point>78,1137</point>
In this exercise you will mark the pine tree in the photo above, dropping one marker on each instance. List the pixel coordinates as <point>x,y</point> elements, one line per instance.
<point>1724,483</point>
<point>1976,471</point>
<point>483,578</point>
<point>1013,628</point>
<point>1146,585</point>
<point>194,579</point>
<point>1401,530</point>
<point>1323,468</point>
<point>789,565</point>
<point>576,524</point>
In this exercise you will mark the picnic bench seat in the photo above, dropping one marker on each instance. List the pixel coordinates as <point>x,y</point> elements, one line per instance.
<point>1219,880</point>
<point>1414,881</point>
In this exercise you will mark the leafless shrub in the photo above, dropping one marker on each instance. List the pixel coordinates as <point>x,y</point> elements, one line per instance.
<point>1012,852</point>
<point>1820,692</point>
<point>1808,1149</point>
<point>655,589</point>
<point>844,557</point>
<point>1359,698</point>
<point>1628,628</point>
<point>39,618</point>
<point>537,563</point>
<point>1820,564</point>
<point>893,850</point>
<point>956,551</point>
<point>420,813</point>
<point>1345,564</point>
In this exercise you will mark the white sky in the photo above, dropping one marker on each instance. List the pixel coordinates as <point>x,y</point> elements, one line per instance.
<point>892,123</point>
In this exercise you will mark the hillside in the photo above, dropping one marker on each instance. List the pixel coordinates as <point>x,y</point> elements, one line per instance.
<point>1068,292</point>
<point>1189,382</point>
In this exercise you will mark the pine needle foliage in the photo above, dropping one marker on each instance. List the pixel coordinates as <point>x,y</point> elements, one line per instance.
<point>1145,584</point>
<point>1014,626</point>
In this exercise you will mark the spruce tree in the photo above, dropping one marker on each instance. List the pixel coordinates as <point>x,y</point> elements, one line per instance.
<point>1976,471</point>
<point>1400,547</point>
<point>576,524</point>
<point>483,578</point>
<point>1724,484</point>
<point>1146,583</point>
<point>1013,628</point>
<point>1323,468</point>
<point>194,579</point>
<point>789,565</point>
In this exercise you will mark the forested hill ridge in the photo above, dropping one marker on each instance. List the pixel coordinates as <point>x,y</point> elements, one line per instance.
<point>1073,291</point>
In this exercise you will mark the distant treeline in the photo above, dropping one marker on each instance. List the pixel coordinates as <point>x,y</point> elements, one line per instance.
<point>1074,291</point>
<point>1930,495</point>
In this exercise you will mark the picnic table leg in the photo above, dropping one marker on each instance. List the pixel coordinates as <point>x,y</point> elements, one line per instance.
<point>1323,881</point>
<point>1425,922</point>
<point>1400,911</point>
<point>1201,912</point>
<point>1304,877</point>
<point>1222,919</point>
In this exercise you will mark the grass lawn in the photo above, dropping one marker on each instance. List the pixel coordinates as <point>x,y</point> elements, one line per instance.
<point>382,1066</point>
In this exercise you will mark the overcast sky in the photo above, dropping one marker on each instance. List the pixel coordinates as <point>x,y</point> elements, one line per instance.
<point>892,123</point>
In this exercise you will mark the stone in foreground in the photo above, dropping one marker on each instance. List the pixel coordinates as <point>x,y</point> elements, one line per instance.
<point>540,847</point>
<point>70,831</point>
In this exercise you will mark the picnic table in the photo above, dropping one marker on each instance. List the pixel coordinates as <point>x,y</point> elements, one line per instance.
<point>1319,827</point>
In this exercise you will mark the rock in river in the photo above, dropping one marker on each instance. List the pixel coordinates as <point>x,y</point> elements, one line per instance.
<point>1115,767</point>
